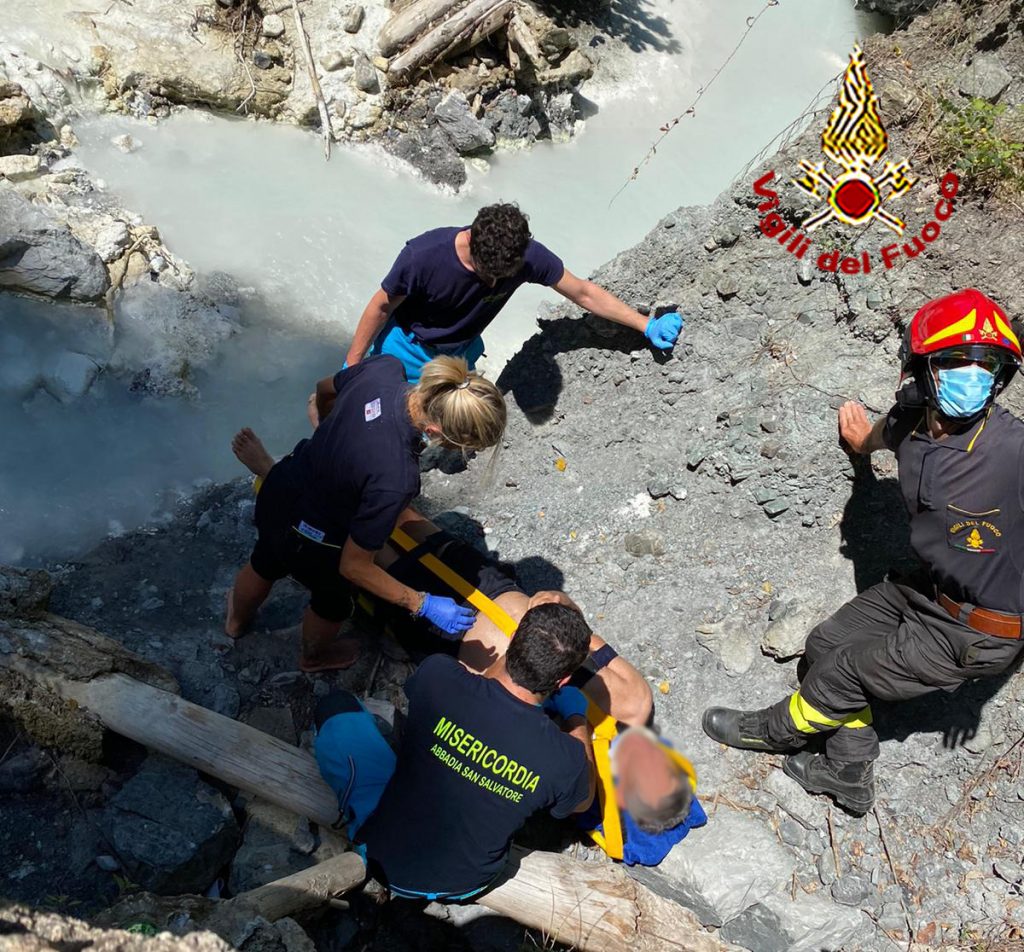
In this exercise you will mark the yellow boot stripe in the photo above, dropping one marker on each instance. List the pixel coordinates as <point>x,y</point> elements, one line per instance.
<point>857,719</point>
<point>803,714</point>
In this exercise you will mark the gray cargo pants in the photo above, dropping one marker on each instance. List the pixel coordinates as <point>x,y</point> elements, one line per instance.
<point>891,643</point>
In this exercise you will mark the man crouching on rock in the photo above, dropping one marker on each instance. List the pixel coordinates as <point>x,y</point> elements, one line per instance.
<point>478,757</point>
<point>961,472</point>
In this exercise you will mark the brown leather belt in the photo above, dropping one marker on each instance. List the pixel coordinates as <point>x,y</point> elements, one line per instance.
<point>982,619</point>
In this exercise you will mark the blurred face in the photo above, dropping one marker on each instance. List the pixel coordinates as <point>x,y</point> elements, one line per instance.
<point>642,768</point>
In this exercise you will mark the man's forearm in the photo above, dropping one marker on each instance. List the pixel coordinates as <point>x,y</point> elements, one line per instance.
<point>605,304</point>
<point>579,728</point>
<point>372,321</point>
<point>377,582</point>
<point>876,438</point>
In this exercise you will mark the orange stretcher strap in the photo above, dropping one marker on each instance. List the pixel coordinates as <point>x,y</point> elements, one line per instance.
<point>470,593</point>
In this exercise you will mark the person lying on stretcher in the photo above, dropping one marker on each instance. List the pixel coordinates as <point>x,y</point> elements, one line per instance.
<point>645,799</point>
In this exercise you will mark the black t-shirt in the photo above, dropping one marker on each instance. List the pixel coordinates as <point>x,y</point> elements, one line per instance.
<point>474,764</point>
<point>965,497</point>
<point>359,470</point>
<point>446,304</point>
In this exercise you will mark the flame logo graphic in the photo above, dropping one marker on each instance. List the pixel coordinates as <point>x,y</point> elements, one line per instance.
<point>855,139</point>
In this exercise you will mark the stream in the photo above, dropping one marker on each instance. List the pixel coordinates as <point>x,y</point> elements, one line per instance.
<point>309,241</point>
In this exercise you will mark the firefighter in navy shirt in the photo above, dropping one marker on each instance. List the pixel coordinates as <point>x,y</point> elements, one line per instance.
<point>961,473</point>
<point>326,508</point>
<point>448,284</point>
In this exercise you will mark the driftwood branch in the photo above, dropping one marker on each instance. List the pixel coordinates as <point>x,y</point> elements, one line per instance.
<point>522,36</point>
<point>314,81</point>
<point>408,23</point>
<point>473,23</point>
<point>236,920</point>
<point>591,906</point>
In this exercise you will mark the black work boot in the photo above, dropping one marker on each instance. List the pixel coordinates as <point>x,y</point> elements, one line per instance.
<point>852,784</point>
<point>747,730</point>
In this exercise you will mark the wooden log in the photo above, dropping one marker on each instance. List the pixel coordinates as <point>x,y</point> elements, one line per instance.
<point>236,753</point>
<point>304,890</point>
<point>450,34</point>
<point>408,23</point>
<point>594,907</point>
<point>236,920</point>
<point>522,36</point>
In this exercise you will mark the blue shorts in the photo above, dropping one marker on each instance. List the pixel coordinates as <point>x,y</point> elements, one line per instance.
<point>355,761</point>
<point>414,354</point>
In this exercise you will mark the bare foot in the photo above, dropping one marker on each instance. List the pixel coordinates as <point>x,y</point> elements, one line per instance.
<point>251,452</point>
<point>339,654</point>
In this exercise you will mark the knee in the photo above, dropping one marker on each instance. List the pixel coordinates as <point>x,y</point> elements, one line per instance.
<point>817,643</point>
<point>637,705</point>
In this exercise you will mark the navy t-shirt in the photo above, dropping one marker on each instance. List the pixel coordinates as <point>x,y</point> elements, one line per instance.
<point>446,305</point>
<point>474,764</point>
<point>359,470</point>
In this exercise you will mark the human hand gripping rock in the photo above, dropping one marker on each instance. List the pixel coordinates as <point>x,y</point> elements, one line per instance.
<point>664,331</point>
<point>854,426</point>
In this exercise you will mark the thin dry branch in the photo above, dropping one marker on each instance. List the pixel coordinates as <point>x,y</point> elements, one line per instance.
<point>314,81</point>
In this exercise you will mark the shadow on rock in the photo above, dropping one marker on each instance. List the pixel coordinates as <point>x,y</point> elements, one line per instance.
<point>534,379</point>
<point>875,531</point>
<point>956,714</point>
<point>633,21</point>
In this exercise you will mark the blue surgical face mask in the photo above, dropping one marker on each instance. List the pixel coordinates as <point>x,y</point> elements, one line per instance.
<point>964,391</point>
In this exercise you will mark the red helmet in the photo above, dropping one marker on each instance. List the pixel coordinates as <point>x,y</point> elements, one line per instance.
<point>967,324</point>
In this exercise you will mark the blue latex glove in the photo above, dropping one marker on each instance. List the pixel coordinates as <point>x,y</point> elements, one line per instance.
<point>452,618</point>
<point>664,331</point>
<point>567,702</point>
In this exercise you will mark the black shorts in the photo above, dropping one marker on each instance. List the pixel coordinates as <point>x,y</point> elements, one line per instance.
<point>417,635</point>
<point>280,551</point>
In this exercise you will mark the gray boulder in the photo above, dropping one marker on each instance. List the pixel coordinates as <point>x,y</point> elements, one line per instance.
<point>69,376</point>
<point>985,78</point>
<point>24,593</point>
<point>808,924</point>
<point>467,133</point>
<point>431,152</point>
<point>364,75</point>
<point>171,831</point>
<point>510,116</point>
<point>39,254</point>
<point>731,864</point>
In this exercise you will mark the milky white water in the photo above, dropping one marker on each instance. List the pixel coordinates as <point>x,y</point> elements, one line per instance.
<point>315,238</point>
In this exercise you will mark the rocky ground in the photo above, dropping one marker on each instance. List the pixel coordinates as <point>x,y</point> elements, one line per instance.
<point>700,509</point>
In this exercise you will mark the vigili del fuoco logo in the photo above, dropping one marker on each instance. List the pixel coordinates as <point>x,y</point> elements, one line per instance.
<point>855,140</point>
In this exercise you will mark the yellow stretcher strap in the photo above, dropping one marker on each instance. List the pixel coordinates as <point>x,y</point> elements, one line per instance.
<point>473,595</point>
<point>809,720</point>
<point>470,593</point>
<point>605,730</point>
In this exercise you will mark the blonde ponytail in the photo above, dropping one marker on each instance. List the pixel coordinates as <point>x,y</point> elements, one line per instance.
<point>467,407</point>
